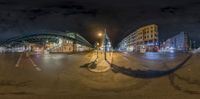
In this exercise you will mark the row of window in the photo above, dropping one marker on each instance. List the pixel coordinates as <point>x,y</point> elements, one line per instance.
<point>148,32</point>
<point>150,36</point>
<point>150,29</point>
<point>67,41</point>
<point>141,38</point>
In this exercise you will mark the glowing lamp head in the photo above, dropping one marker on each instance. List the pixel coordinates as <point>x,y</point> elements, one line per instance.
<point>97,44</point>
<point>100,34</point>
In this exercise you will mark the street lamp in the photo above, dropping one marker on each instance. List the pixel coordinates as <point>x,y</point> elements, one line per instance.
<point>97,44</point>
<point>100,34</point>
<point>102,64</point>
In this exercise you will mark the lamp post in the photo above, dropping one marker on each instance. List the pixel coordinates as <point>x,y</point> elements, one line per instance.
<point>104,42</point>
<point>97,44</point>
<point>102,63</point>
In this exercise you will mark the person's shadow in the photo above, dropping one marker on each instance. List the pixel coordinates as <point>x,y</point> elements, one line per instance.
<point>146,73</point>
<point>92,65</point>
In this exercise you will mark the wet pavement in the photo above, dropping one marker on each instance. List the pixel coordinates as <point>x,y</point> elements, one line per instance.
<point>61,76</point>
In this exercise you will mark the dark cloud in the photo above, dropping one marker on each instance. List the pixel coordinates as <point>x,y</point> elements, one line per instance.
<point>3,3</point>
<point>33,13</point>
<point>92,12</point>
<point>6,3</point>
<point>70,8</point>
<point>169,9</point>
<point>79,7</point>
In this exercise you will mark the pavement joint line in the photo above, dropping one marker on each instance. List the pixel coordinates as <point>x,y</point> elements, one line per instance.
<point>124,57</point>
<point>18,61</point>
<point>38,69</point>
<point>34,65</point>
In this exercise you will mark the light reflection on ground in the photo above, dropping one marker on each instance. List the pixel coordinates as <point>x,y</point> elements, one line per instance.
<point>158,56</point>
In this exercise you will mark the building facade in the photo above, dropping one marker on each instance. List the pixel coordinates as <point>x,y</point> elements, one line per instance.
<point>145,37</point>
<point>67,46</point>
<point>179,42</point>
<point>64,42</point>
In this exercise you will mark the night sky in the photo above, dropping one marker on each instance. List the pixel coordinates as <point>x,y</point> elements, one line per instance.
<point>89,17</point>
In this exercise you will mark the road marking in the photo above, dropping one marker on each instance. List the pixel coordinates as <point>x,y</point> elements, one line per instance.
<point>18,61</point>
<point>126,58</point>
<point>34,65</point>
<point>32,62</point>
